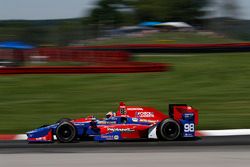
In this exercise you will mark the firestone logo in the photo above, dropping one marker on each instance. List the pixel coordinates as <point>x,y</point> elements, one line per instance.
<point>120,130</point>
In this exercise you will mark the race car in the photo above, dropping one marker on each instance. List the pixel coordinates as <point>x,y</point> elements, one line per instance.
<point>128,123</point>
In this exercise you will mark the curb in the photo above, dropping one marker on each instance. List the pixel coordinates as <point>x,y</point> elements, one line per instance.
<point>5,137</point>
<point>228,132</point>
<point>208,133</point>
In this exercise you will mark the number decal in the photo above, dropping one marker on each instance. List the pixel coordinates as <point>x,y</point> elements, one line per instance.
<point>189,127</point>
<point>123,111</point>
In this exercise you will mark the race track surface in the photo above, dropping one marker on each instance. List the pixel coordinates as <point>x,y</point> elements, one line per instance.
<point>207,143</point>
<point>205,152</point>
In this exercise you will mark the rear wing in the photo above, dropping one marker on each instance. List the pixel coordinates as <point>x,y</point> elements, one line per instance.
<point>187,116</point>
<point>178,111</point>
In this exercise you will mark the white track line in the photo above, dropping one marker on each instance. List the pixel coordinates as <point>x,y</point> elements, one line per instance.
<point>21,137</point>
<point>229,132</point>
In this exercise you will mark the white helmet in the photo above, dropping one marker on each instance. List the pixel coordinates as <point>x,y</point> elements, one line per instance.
<point>110,114</point>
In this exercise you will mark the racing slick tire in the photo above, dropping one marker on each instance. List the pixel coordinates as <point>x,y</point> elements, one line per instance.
<point>65,132</point>
<point>169,130</point>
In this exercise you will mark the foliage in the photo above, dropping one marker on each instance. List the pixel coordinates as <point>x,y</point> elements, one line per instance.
<point>165,10</point>
<point>106,14</point>
<point>154,10</point>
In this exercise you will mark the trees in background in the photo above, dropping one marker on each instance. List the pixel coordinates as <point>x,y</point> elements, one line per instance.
<point>114,11</point>
<point>108,14</point>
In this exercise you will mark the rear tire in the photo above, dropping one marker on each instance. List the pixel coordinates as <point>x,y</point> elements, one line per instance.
<point>169,130</point>
<point>65,132</point>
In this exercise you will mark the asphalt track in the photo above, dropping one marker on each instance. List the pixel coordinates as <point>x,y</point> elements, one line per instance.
<point>208,151</point>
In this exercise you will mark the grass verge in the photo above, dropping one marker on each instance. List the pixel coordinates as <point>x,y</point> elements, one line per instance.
<point>217,84</point>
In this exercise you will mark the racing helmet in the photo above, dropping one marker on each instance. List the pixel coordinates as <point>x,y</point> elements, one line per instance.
<point>110,114</point>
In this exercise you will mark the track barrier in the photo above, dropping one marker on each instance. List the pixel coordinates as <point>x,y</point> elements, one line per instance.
<point>97,62</point>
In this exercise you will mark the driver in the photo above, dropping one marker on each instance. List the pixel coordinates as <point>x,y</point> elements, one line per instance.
<point>110,115</point>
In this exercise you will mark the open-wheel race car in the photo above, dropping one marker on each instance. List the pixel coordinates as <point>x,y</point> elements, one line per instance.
<point>128,123</point>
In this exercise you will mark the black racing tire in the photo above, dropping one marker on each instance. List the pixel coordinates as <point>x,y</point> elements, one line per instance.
<point>169,130</point>
<point>63,120</point>
<point>66,132</point>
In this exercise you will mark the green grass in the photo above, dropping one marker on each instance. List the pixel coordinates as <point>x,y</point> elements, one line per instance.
<point>166,38</point>
<point>217,84</point>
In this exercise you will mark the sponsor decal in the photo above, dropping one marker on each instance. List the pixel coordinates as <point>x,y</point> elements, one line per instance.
<point>107,137</point>
<point>149,121</point>
<point>153,121</point>
<point>116,137</point>
<point>143,120</point>
<point>106,122</point>
<point>110,137</point>
<point>188,115</point>
<point>145,114</point>
<point>188,135</point>
<point>135,119</point>
<point>120,130</point>
<point>135,109</point>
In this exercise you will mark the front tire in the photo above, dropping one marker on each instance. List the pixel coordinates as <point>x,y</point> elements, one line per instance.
<point>169,130</point>
<point>66,132</point>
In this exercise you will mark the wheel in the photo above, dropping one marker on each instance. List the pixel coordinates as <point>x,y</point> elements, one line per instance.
<point>65,132</point>
<point>168,129</point>
<point>63,120</point>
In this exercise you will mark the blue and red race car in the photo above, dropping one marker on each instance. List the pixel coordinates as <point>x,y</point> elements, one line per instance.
<point>128,123</point>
